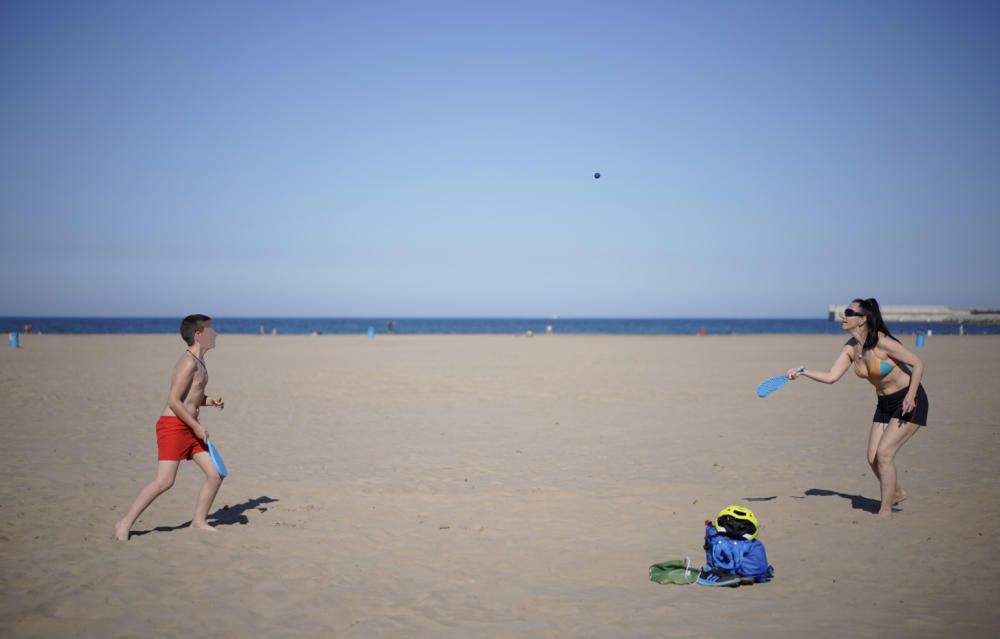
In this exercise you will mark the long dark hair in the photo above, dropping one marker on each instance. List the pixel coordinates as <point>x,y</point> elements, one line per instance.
<point>876,324</point>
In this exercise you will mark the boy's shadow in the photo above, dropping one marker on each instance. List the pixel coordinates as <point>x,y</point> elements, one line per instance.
<point>857,501</point>
<point>225,516</point>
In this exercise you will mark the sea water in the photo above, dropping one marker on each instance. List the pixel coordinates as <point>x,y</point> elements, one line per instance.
<point>466,326</point>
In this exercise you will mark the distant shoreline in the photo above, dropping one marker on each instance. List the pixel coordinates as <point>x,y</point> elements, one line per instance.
<point>472,326</point>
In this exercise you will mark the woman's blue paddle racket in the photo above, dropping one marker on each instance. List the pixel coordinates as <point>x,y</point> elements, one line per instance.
<point>220,466</point>
<point>772,384</point>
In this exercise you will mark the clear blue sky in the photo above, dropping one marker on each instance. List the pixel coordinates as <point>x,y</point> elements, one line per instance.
<point>758,159</point>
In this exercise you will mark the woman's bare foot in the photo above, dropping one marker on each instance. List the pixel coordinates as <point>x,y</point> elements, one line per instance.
<point>121,532</point>
<point>885,515</point>
<point>204,526</point>
<point>900,497</point>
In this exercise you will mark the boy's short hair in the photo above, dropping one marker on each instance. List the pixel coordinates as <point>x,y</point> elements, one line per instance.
<point>191,325</point>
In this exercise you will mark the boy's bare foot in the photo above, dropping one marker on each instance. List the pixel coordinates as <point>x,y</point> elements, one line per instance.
<point>900,497</point>
<point>885,515</point>
<point>204,526</point>
<point>121,532</point>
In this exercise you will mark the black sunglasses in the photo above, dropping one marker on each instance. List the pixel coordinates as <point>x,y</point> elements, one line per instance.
<point>850,312</point>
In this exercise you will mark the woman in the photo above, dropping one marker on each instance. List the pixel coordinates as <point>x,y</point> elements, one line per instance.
<point>895,373</point>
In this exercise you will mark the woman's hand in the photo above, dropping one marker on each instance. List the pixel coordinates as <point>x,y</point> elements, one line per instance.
<point>909,403</point>
<point>793,373</point>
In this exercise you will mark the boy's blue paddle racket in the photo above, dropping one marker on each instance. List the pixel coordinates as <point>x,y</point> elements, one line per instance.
<point>220,466</point>
<point>772,384</point>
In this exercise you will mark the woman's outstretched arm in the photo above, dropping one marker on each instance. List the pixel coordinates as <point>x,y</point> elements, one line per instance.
<point>840,366</point>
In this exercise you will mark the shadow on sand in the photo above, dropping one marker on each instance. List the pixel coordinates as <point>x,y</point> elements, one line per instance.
<point>857,501</point>
<point>225,516</point>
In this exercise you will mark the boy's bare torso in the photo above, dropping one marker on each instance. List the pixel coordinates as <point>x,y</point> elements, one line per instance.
<point>194,397</point>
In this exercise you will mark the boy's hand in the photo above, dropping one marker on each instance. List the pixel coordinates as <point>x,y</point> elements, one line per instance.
<point>202,434</point>
<point>216,401</point>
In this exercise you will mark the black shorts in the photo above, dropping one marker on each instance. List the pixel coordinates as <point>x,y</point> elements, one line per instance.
<point>891,407</point>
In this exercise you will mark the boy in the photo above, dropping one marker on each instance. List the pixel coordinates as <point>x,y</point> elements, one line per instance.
<point>178,433</point>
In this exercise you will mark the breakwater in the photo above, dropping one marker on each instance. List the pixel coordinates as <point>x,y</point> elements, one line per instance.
<point>929,313</point>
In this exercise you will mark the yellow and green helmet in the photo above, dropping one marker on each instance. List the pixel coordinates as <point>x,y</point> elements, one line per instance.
<point>737,522</point>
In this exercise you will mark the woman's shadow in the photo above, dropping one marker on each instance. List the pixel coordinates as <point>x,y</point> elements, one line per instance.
<point>857,501</point>
<point>225,516</point>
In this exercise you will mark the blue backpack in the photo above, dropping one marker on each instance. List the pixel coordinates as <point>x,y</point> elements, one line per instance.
<point>744,557</point>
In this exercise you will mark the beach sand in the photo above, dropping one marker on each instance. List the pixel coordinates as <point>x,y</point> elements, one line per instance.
<point>491,486</point>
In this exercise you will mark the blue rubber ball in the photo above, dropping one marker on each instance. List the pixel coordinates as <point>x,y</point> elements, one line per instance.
<point>597,176</point>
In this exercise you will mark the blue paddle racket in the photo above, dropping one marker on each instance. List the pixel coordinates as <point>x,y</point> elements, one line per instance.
<point>220,466</point>
<point>772,384</point>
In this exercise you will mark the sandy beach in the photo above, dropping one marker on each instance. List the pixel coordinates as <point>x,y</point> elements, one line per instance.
<point>491,486</point>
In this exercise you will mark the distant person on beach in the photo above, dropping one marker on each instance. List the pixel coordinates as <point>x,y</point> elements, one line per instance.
<point>895,373</point>
<point>179,435</point>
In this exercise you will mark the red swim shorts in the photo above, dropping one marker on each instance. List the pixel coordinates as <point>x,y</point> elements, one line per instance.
<point>175,440</point>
